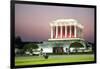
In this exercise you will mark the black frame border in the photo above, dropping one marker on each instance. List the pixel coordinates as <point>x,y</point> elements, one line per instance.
<point>12,32</point>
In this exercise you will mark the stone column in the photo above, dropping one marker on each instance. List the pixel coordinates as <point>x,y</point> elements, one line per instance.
<point>65,31</point>
<point>75,31</point>
<point>70,31</point>
<point>61,31</point>
<point>51,32</point>
<point>56,31</point>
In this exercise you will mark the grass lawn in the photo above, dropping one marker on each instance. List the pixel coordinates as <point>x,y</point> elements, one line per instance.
<point>32,60</point>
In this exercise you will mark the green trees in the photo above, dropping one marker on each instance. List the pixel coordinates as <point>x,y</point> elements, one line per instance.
<point>23,47</point>
<point>76,45</point>
<point>18,46</point>
<point>30,47</point>
<point>18,42</point>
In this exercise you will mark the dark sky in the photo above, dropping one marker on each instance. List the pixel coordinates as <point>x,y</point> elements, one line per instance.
<point>32,21</point>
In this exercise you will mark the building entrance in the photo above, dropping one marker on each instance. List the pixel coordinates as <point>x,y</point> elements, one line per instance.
<point>58,50</point>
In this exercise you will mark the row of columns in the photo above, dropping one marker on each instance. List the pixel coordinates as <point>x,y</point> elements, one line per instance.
<point>61,31</point>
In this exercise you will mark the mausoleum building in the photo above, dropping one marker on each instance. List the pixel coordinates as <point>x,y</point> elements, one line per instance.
<point>63,32</point>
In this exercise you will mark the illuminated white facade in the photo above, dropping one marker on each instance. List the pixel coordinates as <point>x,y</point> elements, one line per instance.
<point>63,32</point>
<point>65,29</point>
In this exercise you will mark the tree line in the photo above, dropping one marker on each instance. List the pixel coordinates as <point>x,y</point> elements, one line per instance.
<point>24,46</point>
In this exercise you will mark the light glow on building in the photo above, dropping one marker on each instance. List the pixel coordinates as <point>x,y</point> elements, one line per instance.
<point>64,29</point>
<point>64,32</point>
